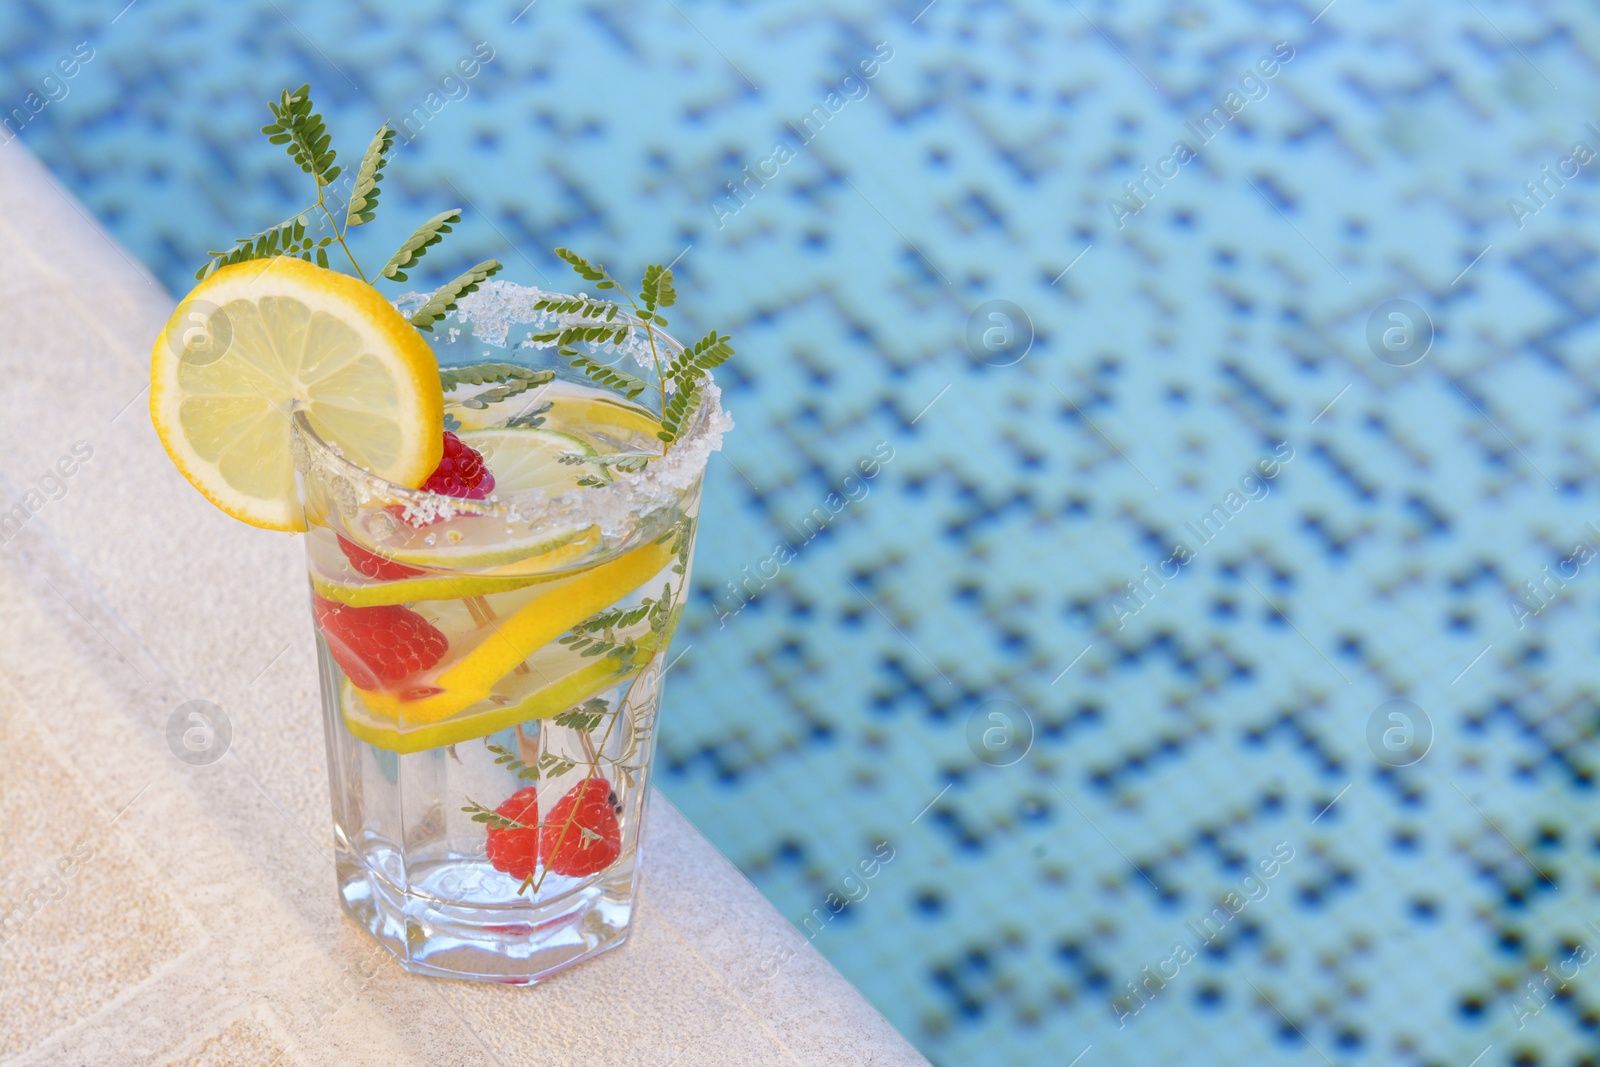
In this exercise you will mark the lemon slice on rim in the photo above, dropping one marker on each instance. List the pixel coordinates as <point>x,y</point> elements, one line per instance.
<point>255,341</point>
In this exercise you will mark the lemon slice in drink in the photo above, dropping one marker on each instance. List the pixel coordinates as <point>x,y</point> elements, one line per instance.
<point>592,414</point>
<point>557,679</point>
<point>566,408</point>
<point>255,341</point>
<point>463,678</point>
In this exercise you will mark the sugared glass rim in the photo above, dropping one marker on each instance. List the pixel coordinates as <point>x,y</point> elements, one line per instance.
<point>618,509</point>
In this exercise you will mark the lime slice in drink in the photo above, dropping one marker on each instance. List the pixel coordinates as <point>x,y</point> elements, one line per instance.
<point>529,458</point>
<point>520,460</point>
<point>335,578</point>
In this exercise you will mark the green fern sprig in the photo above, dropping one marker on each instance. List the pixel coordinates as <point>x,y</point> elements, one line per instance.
<point>492,818</point>
<point>509,380</point>
<point>425,237</point>
<point>297,124</point>
<point>657,282</point>
<point>285,239</point>
<point>678,408</point>
<point>620,380</point>
<point>443,300</point>
<point>585,717</point>
<point>554,766</point>
<point>625,462</point>
<point>708,353</point>
<point>679,384</point>
<point>615,618</point>
<point>597,635</point>
<point>587,307</point>
<point>491,373</point>
<point>301,130</point>
<point>686,373</point>
<point>571,335</point>
<point>602,466</point>
<point>481,401</point>
<point>680,535</point>
<point>532,418</point>
<point>363,204</point>
<point>666,295</point>
<point>512,762</point>
<point>586,270</point>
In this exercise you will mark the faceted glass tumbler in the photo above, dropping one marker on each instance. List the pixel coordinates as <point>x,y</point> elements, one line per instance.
<point>491,669</point>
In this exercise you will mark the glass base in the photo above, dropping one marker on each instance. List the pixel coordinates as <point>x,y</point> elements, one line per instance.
<point>433,931</point>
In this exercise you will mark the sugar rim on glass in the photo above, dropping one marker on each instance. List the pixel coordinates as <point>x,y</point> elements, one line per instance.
<point>618,509</point>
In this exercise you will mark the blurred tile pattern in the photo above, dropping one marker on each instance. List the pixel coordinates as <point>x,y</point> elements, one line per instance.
<point>1187,328</point>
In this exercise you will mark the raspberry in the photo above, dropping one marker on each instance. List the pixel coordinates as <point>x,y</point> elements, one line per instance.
<point>371,565</point>
<point>380,644</point>
<point>566,848</point>
<point>461,472</point>
<point>516,852</point>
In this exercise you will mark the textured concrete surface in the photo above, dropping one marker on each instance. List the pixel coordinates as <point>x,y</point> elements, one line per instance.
<point>160,913</point>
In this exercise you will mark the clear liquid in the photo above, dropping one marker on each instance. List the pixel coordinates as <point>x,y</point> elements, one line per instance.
<point>412,759</point>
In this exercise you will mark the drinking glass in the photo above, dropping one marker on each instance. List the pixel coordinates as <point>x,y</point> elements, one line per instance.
<point>491,669</point>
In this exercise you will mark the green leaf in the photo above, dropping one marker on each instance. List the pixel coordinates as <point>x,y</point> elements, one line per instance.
<point>571,335</point>
<point>586,270</point>
<point>681,382</point>
<point>708,353</point>
<point>648,287</point>
<point>614,619</point>
<point>533,418</point>
<point>554,766</point>
<point>511,762</point>
<point>428,234</point>
<point>584,306</point>
<point>679,405</point>
<point>298,126</point>
<point>491,373</point>
<point>657,292</point>
<point>600,374</point>
<point>493,818</point>
<point>585,717</point>
<point>276,241</point>
<point>364,196</point>
<point>509,379</point>
<point>443,300</point>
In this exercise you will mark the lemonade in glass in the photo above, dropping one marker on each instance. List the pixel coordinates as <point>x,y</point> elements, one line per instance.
<point>500,489</point>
